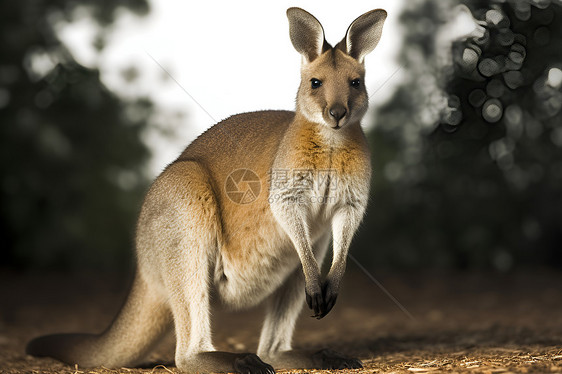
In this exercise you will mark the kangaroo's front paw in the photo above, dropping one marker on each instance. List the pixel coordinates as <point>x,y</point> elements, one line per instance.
<point>328,360</point>
<point>252,364</point>
<point>330,294</point>
<point>322,300</point>
<point>315,301</point>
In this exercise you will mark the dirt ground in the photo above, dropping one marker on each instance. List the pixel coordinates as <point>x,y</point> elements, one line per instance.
<point>469,323</point>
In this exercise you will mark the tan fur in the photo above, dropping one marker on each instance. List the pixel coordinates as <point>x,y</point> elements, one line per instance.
<point>194,241</point>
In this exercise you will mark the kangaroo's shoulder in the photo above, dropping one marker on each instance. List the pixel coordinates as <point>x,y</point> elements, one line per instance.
<point>249,122</point>
<point>241,131</point>
<point>263,117</point>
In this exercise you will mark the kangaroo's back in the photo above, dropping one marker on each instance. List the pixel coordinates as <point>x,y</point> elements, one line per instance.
<point>247,140</point>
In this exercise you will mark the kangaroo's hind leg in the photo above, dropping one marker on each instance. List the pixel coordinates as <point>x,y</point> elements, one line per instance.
<point>283,309</point>
<point>189,231</point>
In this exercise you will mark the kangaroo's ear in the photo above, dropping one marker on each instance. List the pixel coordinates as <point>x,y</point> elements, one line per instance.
<point>307,34</point>
<point>363,34</point>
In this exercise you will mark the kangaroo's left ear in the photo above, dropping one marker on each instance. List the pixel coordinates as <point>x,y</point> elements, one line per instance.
<point>363,34</point>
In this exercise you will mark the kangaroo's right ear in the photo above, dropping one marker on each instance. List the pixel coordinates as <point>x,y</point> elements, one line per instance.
<point>307,34</point>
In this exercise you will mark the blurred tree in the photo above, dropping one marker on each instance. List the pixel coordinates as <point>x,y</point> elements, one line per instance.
<point>468,154</point>
<point>71,152</point>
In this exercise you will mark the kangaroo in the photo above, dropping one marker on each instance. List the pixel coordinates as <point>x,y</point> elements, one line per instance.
<point>246,215</point>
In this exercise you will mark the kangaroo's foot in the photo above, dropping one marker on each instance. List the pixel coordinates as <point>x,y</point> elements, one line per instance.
<point>223,362</point>
<point>251,364</point>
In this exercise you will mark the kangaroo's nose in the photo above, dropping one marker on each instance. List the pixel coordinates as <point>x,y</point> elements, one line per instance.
<point>338,111</point>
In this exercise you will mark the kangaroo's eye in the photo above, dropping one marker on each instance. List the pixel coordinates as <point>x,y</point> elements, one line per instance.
<point>315,83</point>
<point>356,83</point>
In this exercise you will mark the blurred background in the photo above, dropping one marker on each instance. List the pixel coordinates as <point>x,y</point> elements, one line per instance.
<point>96,97</point>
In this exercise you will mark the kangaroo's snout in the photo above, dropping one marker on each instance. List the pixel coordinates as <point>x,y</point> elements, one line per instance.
<point>337,112</point>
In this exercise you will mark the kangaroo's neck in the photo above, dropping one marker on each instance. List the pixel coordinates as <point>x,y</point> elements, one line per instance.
<point>310,145</point>
<point>323,136</point>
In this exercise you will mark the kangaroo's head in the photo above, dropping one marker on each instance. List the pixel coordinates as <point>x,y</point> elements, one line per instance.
<point>332,90</point>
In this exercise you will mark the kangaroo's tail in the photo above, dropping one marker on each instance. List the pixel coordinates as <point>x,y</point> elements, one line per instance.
<point>141,323</point>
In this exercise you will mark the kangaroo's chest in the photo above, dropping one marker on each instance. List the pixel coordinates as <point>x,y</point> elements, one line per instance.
<point>345,156</point>
<point>322,176</point>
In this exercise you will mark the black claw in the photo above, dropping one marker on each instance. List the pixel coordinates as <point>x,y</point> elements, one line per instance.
<point>315,303</point>
<point>331,304</point>
<point>321,303</point>
<point>356,364</point>
<point>329,297</point>
<point>252,364</point>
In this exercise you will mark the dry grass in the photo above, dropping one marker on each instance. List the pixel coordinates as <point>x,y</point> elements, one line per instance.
<point>464,324</point>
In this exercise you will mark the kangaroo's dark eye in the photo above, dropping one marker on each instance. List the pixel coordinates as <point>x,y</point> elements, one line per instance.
<point>356,83</point>
<point>315,83</point>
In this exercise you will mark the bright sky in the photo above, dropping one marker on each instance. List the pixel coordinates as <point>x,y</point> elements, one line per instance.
<point>230,57</point>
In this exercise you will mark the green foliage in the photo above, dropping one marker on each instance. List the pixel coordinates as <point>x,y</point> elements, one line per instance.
<point>482,188</point>
<point>71,154</point>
